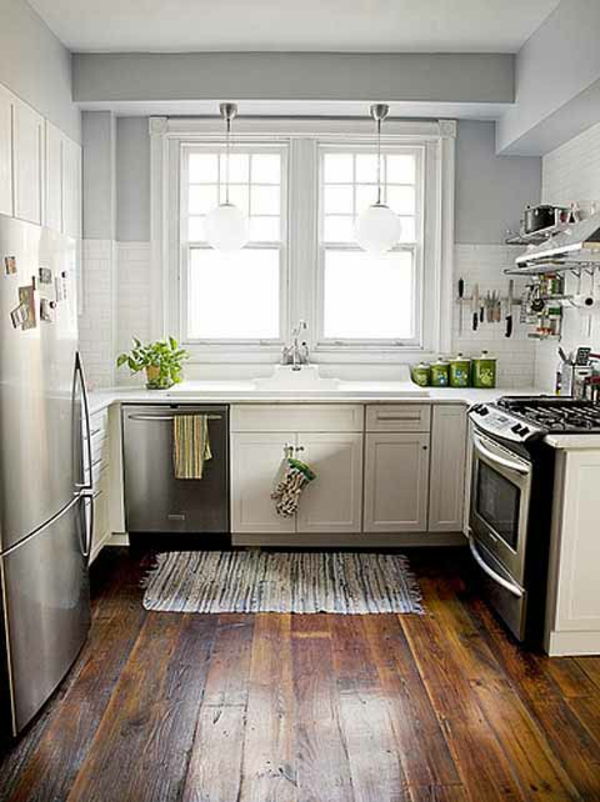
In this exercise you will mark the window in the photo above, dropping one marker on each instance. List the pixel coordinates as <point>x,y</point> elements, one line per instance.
<point>365,299</point>
<point>233,297</point>
<point>302,184</point>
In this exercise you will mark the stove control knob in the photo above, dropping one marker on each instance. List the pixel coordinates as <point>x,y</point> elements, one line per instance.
<point>516,428</point>
<point>525,430</point>
<point>483,410</point>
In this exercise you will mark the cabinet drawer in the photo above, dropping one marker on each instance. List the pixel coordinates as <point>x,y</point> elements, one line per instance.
<point>98,422</point>
<point>297,417</point>
<point>398,418</point>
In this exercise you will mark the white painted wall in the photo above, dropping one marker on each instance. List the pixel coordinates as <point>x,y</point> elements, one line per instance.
<point>571,173</point>
<point>36,66</point>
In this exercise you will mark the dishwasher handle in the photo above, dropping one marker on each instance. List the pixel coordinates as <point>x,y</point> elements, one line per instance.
<point>171,417</point>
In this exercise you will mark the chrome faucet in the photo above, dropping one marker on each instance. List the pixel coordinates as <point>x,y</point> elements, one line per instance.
<point>297,353</point>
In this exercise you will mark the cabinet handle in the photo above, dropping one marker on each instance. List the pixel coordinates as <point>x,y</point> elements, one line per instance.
<point>424,448</point>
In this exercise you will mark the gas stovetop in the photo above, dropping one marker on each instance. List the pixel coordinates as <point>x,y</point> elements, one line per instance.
<point>523,418</point>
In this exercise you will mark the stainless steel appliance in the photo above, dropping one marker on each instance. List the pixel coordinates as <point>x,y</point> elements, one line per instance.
<point>155,501</point>
<point>45,485</point>
<point>511,499</point>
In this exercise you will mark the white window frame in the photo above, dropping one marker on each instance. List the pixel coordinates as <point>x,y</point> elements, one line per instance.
<point>181,322</point>
<point>303,138</point>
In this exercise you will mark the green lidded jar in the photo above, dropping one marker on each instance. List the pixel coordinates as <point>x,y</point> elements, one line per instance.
<point>484,371</point>
<point>421,374</point>
<point>460,371</point>
<point>440,373</point>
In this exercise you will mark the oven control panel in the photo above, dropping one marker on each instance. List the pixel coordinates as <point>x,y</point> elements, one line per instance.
<point>497,421</point>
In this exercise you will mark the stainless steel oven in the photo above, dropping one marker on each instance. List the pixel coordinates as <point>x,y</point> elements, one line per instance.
<point>501,483</point>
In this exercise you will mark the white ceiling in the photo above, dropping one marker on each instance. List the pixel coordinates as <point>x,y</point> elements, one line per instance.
<point>280,25</point>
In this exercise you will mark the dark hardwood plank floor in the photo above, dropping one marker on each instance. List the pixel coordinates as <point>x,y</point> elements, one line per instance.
<point>275,708</point>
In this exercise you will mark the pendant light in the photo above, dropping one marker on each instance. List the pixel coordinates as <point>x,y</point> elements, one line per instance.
<point>377,228</point>
<point>226,224</point>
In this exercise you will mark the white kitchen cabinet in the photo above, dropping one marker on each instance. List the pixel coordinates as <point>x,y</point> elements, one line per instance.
<point>101,479</point>
<point>333,501</point>
<point>396,481</point>
<point>54,177</point>
<point>71,188</point>
<point>28,156</point>
<point>6,181</point>
<point>448,466</point>
<point>255,458</point>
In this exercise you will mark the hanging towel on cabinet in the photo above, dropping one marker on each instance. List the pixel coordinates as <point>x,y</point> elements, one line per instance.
<point>191,446</point>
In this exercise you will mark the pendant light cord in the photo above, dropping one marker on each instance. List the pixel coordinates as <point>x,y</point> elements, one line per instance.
<point>227,151</point>
<point>378,161</point>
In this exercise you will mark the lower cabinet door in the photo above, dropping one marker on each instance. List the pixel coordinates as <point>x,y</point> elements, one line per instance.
<point>255,460</point>
<point>332,502</point>
<point>396,482</point>
<point>448,468</point>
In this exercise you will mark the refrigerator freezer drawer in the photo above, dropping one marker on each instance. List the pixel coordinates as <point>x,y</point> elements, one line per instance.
<point>47,611</point>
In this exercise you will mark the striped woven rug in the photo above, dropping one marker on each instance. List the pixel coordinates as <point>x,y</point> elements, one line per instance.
<point>256,581</point>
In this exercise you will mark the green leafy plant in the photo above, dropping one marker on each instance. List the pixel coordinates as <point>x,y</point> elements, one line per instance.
<point>162,360</point>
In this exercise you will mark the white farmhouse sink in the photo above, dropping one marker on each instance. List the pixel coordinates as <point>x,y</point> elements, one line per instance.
<point>284,378</point>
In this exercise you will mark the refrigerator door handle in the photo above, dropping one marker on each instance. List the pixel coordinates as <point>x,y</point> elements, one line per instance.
<point>88,497</point>
<point>85,485</point>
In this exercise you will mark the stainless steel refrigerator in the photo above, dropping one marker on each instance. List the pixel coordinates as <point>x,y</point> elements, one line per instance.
<point>45,480</point>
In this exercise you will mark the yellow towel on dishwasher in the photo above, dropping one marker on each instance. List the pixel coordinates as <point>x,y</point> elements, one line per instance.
<point>191,446</point>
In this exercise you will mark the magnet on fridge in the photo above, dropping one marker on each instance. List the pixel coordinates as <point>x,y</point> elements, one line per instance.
<point>27,299</point>
<point>10,265</point>
<point>18,316</point>
<point>45,275</point>
<point>46,310</point>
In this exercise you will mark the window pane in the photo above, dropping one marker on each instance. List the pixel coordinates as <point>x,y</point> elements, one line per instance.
<point>239,168</point>
<point>238,194</point>
<point>337,168</point>
<point>401,199</point>
<point>408,233</point>
<point>203,168</point>
<point>196,231</point>
<point>338,199</point>
<point>368,298</point>
<point>400,169</point>
<point>233,296</point>
<point>264,229</point>
<point>202,198</point>
<point>366,168</point>
<point>339,228</point>
<point>266,168</point>
<point>365,197</point>
<point>265,200</point>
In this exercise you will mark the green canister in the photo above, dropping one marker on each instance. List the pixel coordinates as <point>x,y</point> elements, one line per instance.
<point>460,371</point>
<point>440,373</point>
<point>421,374</point>
<point>484,371</point>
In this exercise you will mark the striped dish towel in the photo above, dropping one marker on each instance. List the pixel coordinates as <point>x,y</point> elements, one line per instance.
<point>191,446</point>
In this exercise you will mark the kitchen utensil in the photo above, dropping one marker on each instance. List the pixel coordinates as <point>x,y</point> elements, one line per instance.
<point>509,306</point>
<point>475,306</point>
<point>461,295</point>
<point>538,217</point>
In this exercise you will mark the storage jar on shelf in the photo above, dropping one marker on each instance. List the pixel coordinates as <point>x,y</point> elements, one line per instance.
<point>484,371</point>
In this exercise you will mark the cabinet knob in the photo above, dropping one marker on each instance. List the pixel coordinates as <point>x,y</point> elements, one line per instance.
<point>424,448</point>
<point>299,448</point>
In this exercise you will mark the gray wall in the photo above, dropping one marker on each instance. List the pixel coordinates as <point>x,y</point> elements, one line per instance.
<point>133,179</point>
<point>555,67</point>
<point>451,77</point>
<point>99,174</point>
<point>35,65</point>
<point>491,190</point>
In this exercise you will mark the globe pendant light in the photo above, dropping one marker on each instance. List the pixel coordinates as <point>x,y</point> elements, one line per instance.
<point>378,229</point>
<point>226,225</point>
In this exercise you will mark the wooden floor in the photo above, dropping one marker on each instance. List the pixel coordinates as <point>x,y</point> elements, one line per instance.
<point>314,708</point>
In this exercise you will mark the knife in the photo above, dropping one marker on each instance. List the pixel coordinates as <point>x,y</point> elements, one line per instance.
<point>461,295</point>
<point>509,317</point>
<point>475,306</point>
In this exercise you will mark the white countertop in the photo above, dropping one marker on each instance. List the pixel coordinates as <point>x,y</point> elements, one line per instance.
<point>231,392</point>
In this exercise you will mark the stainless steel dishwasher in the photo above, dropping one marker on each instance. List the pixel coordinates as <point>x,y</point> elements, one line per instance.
<point>155,501</point>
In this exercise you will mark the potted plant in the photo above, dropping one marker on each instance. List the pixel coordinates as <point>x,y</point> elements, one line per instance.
<point>162,360</point>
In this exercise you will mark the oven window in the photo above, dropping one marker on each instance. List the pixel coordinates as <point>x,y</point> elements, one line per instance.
<point>498,502</point>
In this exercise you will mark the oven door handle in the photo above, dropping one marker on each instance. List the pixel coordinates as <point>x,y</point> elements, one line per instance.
<point>506,463</point>
<point>509,586</point>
